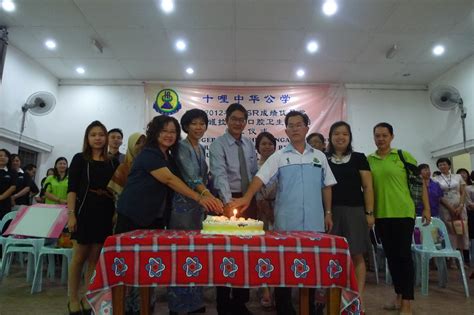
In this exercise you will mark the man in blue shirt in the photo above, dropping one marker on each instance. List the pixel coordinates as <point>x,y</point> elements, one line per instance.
<point>233,163</point>
<point>304,193</point>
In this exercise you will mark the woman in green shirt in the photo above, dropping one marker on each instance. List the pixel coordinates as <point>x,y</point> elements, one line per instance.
<point>395,214</point>
<point>56,185</point>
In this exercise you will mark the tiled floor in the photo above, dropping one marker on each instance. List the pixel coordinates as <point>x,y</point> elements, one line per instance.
<point>15,298</point>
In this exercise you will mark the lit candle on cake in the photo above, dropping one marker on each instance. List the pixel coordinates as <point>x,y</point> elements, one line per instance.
<point>234,217</point>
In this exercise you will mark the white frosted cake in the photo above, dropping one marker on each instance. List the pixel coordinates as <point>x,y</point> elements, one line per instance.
<point>224,226</point>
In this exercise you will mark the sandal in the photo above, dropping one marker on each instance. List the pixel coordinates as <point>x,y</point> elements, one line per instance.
<point>391,307</point>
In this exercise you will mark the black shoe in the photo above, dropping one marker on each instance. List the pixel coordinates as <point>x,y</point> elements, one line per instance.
<point>85,311</point>
<point>199,311</point>
<point>79,312</point>
<point>287,311</point>
<point>241,309</point>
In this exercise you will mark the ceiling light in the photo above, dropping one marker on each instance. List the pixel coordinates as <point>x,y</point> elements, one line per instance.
<point>50,44</point>
<point>312,47</point>
<point>329,7</point>
<point>167,6</point>
<point>438,50</point>
<point>80,70</point>
<point>189,70</point>
<point>181,45</point>
<point>8,5</point>
<point>300,73</point>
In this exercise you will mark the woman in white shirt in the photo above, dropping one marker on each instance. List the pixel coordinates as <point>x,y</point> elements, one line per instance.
<point>452,204</point>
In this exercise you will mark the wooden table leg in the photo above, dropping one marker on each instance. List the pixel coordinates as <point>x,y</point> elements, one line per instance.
<point>334,301</point>
<point>304,301</point>
<point>118,300</point>
<point>144,301</point>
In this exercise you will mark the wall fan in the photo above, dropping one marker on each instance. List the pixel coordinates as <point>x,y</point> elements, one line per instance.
<point>39,104</point>
<point>446,97</point>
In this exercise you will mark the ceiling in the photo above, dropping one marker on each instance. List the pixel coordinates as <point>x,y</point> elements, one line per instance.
<point>245,40</point>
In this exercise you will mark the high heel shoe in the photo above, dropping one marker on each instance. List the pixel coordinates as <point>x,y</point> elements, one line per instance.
<point>85,311</point>
<point>79,312</point>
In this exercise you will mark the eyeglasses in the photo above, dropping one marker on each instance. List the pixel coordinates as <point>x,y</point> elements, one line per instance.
<point>237,120</point>
<point>297,126</point>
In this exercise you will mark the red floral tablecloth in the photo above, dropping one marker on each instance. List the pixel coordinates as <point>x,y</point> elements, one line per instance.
<point>182,258</point>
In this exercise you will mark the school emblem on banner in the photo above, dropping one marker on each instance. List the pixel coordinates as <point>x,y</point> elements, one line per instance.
<point>167,102</point>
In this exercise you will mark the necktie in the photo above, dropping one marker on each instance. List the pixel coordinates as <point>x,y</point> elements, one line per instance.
<point>244,177</point>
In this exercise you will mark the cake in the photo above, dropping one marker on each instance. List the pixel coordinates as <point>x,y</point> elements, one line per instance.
<point>233,226</point>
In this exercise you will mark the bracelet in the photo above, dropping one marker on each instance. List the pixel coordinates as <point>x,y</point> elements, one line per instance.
<point>369,213</point>
<point>328,212</point>
<point>70,212</point>
<point>202,192</point>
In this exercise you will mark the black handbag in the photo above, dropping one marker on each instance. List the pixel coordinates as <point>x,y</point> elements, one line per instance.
<point>414,181</point>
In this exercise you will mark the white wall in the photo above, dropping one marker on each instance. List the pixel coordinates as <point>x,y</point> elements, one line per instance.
<point>22,77</point>
<point>76,107</point>
<point>462,78</point>
<point>408,111</point>
<point>450,131</point>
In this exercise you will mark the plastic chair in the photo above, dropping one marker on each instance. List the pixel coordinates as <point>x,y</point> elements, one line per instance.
<point>429,250</point>
<point>3,239</point>
<point>388,278</point>
<point>376,265</point>
<point>13,245</point>
<point>50,252</point>
<point>6,218</point>
<point>440,262</point>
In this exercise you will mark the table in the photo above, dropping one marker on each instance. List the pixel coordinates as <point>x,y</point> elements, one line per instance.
<point>148,258</point>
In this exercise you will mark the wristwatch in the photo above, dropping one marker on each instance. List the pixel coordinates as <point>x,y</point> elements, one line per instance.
<point>369,212</point>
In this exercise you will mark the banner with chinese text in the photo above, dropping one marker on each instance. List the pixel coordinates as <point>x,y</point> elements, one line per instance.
<point>266,106</point>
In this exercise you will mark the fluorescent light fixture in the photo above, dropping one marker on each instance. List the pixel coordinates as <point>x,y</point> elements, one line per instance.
<point>329,7</point>
<point>312,47</point>
<point>8,5</point>
<point>300,73</point>
<point>50,44</point>
<point>189,70</point>
<point>438,50</point>
<point>180,45</point>
<point>80,70</point>
<point>167,6</point>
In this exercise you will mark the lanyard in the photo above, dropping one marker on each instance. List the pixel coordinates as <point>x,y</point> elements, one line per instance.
<point>446,181</point>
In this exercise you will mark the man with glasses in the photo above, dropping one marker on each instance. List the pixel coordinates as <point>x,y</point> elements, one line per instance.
<point>303,200</point>
<point>233,163</point>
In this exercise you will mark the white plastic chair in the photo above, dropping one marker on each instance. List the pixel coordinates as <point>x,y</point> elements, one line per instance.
<point>376,264</point>
<point>7,217</point>
<point>440,262</point>
<point>3,239</point>
<point>429,250</point>
<point>50,252</point>
<point>13,245</point>
<point>388,278</point>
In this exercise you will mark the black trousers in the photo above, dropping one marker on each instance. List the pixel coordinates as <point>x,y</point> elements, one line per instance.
<point>396,237</point>
<point>283,303</point>
<point>228,305</point>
